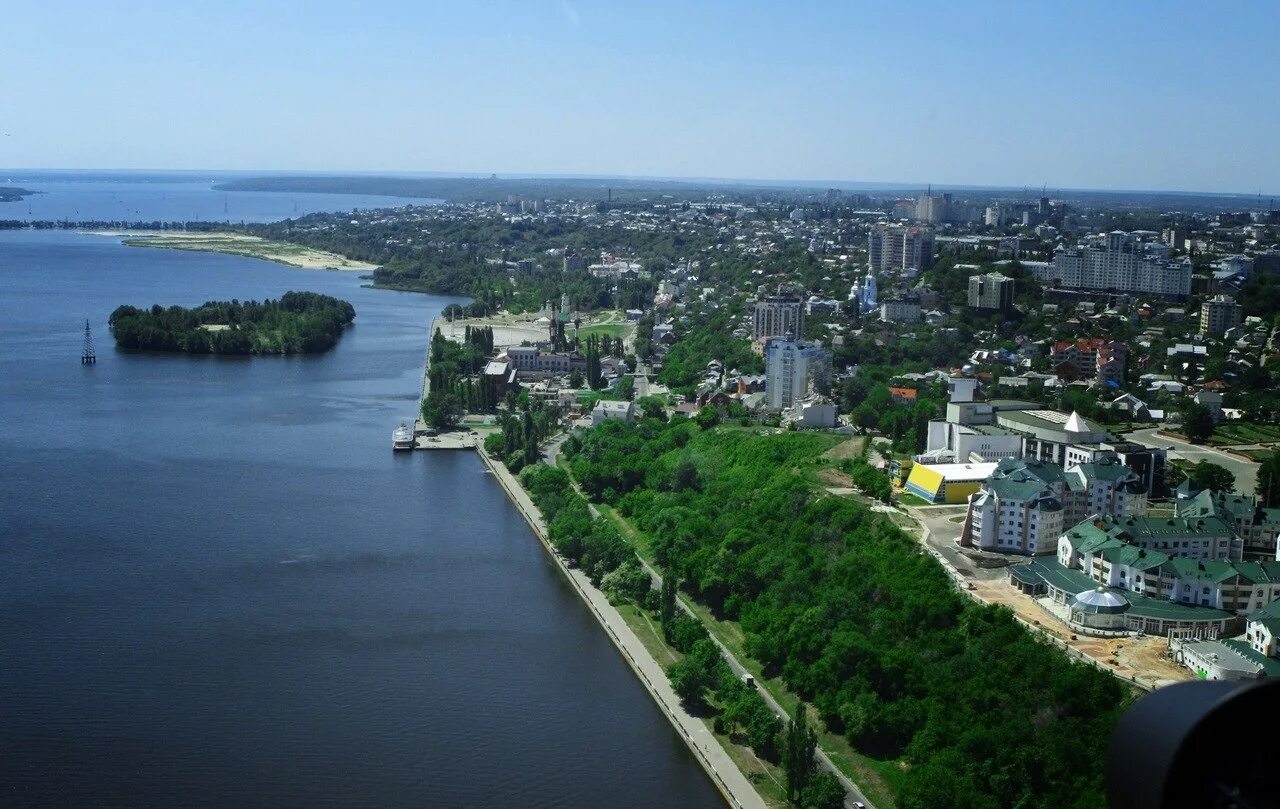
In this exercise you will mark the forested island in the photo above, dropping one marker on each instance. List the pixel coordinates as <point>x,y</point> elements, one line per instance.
<point>13,194</point>
<point>297,323</point>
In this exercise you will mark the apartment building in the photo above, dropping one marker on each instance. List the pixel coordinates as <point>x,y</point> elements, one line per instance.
<point>1121,264</point>
<point>899,248</point>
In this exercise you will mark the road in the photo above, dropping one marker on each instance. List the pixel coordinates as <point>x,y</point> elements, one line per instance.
<point>1246,471</point>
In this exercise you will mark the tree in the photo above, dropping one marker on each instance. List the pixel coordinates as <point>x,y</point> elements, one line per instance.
<point>441,410</point>
<point>1197,422</point>
<point>1207,475</point>
<point>1268,487</point>
<point>667,606</point>
<point>797,753</point>
<point>575,379</point>
<point>822,792</point>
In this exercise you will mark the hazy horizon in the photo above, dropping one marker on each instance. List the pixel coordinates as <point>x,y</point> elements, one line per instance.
<point>1090,97</point>
<point>7,177</point>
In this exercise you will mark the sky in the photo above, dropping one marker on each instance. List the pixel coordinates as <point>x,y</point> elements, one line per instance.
<point>1165,95</point>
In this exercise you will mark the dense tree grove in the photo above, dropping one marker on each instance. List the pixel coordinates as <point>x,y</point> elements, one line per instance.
<point>525,424</point>
<point>706,336</point>
<point>848,610</point>
<point>297,323</point>
<point>452,374</point>
<point>701,677</point>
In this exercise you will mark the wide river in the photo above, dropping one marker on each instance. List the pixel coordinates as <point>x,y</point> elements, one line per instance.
<point>220,587</point>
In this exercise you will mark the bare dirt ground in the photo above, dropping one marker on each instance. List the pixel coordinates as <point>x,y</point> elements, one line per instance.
<point>1145,658</point>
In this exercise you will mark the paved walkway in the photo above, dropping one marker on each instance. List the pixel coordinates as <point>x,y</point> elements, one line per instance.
<point>733,785</point>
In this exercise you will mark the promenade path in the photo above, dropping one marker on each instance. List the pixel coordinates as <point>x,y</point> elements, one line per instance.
<point>733,785</point>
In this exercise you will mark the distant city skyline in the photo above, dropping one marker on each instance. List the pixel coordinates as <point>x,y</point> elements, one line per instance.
<point>1090,96</point>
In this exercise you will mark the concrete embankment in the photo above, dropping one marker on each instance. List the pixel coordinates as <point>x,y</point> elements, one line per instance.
<point>733,785</point>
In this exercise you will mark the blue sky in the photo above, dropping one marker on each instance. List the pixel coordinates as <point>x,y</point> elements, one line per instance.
<point>1137,95</point>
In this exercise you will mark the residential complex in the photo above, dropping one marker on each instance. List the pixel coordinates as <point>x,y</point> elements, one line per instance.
<point>1219,314</point>
<point>992,292</point>
<point>899,249</point>
<point>1120,265</point>
<point>792,368</point>
<point>1025,504</point>
<point>778,314</point>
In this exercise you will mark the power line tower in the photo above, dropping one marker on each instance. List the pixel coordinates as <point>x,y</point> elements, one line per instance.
<point>88,356</point>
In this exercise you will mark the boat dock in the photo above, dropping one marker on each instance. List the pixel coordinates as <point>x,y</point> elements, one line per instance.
<point>423,438</point>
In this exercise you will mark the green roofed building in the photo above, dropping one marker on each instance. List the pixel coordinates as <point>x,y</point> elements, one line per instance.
<point>1094,607</point>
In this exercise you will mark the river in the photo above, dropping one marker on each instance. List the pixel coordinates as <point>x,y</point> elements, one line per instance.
<point>219,586</point>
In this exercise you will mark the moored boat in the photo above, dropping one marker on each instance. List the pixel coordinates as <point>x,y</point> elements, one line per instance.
<point>402,438</point>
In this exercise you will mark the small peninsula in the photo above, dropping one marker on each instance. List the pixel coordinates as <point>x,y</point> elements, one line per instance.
<point>239,244</point>
<point>297,323</point>
<point>11,193</point>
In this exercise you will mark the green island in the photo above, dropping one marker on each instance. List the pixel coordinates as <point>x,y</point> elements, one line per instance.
<point>924,697</point>
<point>297,323</point>
<point>11,193</point>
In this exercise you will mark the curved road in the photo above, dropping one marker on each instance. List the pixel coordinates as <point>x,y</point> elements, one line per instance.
<point>1246,471</point>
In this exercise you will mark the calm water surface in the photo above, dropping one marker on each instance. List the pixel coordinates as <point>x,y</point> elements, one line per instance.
<point>171,197</point>
<point>219,586</point>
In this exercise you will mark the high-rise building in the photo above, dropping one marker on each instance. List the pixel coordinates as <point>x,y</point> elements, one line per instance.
<point>933,208</point>
<point>778,314</point>
<point>1218,314</point>
<point>898,248</point>
<point>992,292</point>
<point>1121,265</point>
<point>792,367</point>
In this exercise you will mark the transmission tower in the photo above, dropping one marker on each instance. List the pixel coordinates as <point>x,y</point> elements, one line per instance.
<point>88,357</point>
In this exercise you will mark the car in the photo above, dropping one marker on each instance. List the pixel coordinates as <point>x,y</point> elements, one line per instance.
<point>859,805</point>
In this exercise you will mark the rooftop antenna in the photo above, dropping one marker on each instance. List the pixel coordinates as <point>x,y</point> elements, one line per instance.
<point>88,356</point>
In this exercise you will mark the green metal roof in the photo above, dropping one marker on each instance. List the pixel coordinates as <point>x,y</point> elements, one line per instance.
<point>1268,616</point>
<point>1077,581</point>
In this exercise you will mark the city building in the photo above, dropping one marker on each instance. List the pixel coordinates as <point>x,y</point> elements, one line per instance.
<point>1095,358</point>
<point>1025,504</point>
<point>933,208</point>
<point>992,292</point>
<point>1064,589</point>
<point>899,248</point>
<point>792,368</point>
<point>900,312</point>
<point>947,482</point>
<point>1257,527</point>
<point>1047,434</point>
<point>1218,314</point>
<point>777,314</point>
<point>612,411</point>
<point>1121,264</point>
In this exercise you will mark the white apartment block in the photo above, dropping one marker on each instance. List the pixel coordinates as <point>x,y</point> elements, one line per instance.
<point>1026,504</point>
<point>791,368</point>
<point>1121,265</point>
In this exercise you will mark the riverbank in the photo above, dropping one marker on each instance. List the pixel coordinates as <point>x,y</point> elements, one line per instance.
<point>733,785</point>
<point>238,244</point>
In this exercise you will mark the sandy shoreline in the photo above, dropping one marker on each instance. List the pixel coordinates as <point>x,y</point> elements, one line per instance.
<point>238,244</point>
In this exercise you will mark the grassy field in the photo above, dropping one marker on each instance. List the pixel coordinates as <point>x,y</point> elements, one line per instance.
<point>611,329</point>
<point>1243,432</point>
